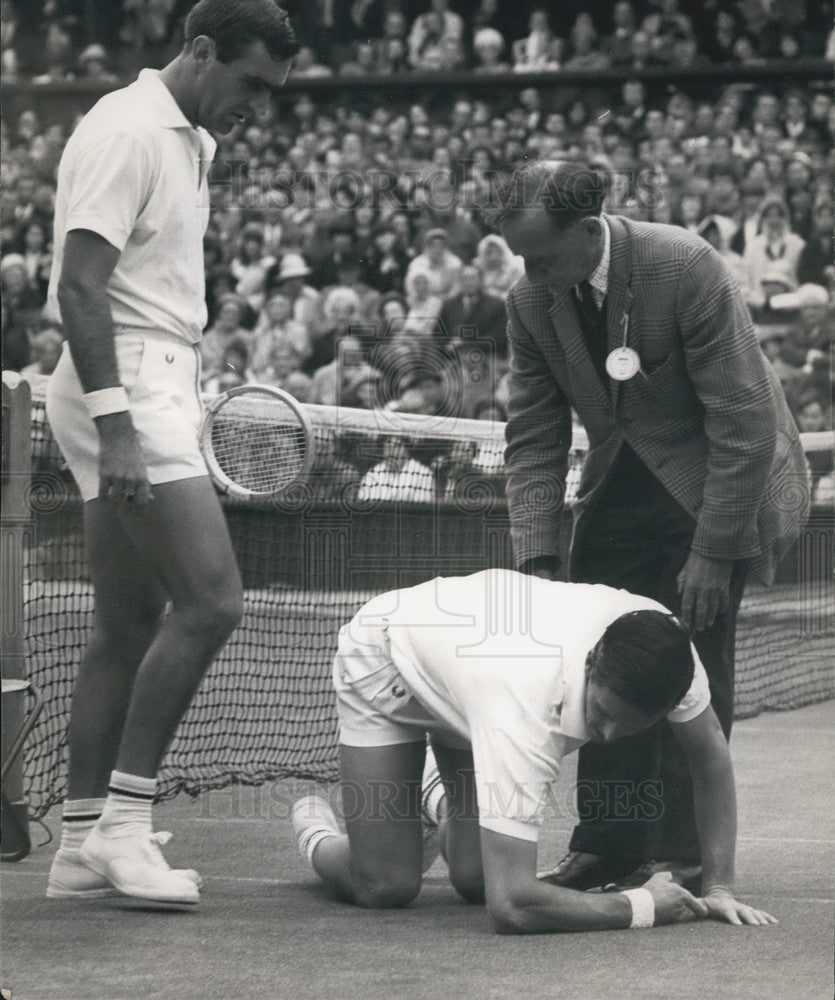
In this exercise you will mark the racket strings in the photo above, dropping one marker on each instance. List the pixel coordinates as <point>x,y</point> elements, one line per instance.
<point>258,443</point>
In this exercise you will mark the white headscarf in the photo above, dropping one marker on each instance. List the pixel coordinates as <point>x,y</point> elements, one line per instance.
<point>498,280</point>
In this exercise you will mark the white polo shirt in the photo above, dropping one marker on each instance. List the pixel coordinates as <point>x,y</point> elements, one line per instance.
<point>499,658</point>
<point>134,171</point>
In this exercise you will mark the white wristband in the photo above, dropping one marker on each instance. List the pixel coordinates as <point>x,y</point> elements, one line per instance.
<point>643,907</point>
<point>114,399</point>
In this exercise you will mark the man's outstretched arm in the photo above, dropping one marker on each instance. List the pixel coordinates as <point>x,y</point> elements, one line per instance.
<point>714,795</point>
<point>518,903</point>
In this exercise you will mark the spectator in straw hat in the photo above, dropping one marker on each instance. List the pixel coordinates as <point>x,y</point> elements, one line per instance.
<point>288,277</point>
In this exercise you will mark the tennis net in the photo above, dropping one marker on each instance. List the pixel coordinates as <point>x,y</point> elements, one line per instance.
<point>393,499</point>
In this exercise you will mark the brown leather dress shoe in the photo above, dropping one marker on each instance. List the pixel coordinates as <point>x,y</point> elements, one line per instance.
<point>580,870</point>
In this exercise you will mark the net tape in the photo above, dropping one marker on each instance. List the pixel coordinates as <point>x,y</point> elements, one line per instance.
<point>266,708</point>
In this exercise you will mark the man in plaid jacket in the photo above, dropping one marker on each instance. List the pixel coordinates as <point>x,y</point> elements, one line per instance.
<point>695,475</point>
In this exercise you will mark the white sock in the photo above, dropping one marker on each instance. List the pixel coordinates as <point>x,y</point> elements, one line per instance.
<point>78,819</point>
<point>316,812</point>
<point>310,840</point>
<point>127,811</point>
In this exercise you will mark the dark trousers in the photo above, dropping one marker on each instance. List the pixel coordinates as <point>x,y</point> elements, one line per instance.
<point>635,797</point>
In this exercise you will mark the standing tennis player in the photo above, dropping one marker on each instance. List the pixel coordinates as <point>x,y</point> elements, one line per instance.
<point>509,673</point>
<point>128,281</point>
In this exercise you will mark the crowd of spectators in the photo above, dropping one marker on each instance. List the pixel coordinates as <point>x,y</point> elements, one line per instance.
<point>350,258</point>
<point>54,40</point>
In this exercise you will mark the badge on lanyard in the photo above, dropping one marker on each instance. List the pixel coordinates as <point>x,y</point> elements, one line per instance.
<point>623,363</point>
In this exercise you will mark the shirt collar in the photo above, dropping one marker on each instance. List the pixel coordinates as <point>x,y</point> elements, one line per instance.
<point>170,115</point>
<point>169,112</point>
<point>599,279</point>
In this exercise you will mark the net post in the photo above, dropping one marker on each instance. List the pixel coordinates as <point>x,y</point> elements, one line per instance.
<point>14,524</point>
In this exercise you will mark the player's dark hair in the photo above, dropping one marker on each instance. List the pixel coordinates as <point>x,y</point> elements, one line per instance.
<point>234,25</point>
<point>645,658</point>
<point>567,191</point>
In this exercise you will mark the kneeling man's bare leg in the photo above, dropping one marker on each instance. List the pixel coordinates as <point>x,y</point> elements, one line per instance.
<point>378,864</point>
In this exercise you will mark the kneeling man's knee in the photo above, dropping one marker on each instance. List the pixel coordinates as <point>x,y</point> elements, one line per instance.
<point>388,892</point>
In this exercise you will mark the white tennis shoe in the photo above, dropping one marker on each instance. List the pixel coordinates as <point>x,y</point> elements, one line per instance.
<point>71,878</point>
<point>134,865</point>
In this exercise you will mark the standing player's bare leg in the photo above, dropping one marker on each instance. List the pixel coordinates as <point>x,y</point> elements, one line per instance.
<point>379,862</point>
<point>183,533</point>
<point>129,601</point>
<point>182,537</point>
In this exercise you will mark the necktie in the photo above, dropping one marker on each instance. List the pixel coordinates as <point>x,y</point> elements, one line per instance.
<point>593,325</point>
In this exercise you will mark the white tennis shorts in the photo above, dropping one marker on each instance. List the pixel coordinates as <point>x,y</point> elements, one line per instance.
<point>161,376</point>
<point>372,707</point>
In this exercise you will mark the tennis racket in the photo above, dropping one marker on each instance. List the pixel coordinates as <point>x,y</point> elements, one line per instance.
<point>257,441</point>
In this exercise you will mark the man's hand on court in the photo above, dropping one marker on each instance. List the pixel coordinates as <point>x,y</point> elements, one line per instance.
<point>704,585</point>
<point>123,475</point>
<point>722,905</point>
<point>673,903</point>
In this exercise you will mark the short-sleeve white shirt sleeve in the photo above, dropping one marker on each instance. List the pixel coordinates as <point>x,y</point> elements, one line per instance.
<point>698,694</point>
<point>113,177</point>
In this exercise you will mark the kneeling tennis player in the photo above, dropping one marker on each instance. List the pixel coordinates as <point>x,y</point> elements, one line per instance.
<point>507,674</point>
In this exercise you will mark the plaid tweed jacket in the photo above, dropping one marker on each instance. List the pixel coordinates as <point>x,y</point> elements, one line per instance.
<point>706,412</point>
